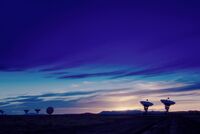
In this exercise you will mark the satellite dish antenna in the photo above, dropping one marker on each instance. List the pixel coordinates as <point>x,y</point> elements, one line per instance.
<point>50,110</point>
<point>167,102</point>
<point>26,111</point>
<point>37,111</point>
<point>146,104</point>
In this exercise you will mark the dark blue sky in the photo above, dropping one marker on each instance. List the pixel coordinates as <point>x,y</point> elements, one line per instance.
<point>98,51</point>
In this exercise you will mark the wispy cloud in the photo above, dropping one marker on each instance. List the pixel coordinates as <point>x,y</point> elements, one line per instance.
<point>107,98</point>
<point>88,75</point>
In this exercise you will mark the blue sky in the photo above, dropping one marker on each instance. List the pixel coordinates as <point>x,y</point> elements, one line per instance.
<point>89,56</point>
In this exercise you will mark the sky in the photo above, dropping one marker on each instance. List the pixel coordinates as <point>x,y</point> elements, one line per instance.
<point>95,55</point>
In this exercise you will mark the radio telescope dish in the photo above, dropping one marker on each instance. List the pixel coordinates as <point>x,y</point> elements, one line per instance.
<point>167,102</point>
<point>37,111</point>
<point>50,110</point>
<point>26,111</point>
<point>146,104</point>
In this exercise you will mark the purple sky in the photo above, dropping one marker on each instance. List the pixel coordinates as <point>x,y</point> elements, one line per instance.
<point>81,56</point>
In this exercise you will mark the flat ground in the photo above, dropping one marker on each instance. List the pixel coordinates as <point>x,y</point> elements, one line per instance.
<point>101,124</point>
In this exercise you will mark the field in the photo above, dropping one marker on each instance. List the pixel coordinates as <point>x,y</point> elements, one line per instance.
<point>176,123</point>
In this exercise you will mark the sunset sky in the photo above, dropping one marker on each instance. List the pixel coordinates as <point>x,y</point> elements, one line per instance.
<point>94,55</point>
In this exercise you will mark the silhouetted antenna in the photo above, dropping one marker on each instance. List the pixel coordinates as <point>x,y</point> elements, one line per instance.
<point>146,104</point>
<point>37,111</point>
<point>167,102</point>
<point>26,111</point>
<point>50,110</point>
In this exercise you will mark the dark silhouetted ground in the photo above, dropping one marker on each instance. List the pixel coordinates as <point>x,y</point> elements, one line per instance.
<point>176,123</point>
